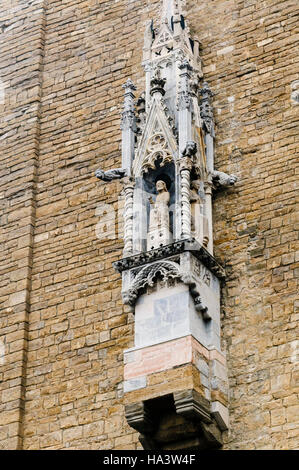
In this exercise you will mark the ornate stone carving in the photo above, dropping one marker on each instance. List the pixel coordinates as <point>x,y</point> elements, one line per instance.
<point>184,97</point>
<point>128,115</point>
<point>170,119</point>
<point>186,165</point>
<point>188,279</point>
<point>128,216</point>
<point>185,168</point>
<point>157,149</point>
<point>141,111</point>
<point>110,175</point>
<point>184,100</point>
<point>190,149</point>
<point>171,125</point>
<point>157,82</point>
<point>163,270</point>
<point>179,56</point>
<point>206,111</point>
<point>170,250</point>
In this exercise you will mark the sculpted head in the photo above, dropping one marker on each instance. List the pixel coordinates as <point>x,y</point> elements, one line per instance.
<point>161,186</point>
<point>191,145</point>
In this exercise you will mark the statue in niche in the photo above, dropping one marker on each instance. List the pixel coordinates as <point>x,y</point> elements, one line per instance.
<point>159,214</point>
<point>197,211</point>
<point>159,230</point>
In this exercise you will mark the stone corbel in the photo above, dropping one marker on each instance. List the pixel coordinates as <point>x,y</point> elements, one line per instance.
<point>191,405</point>
<point>139,417</point>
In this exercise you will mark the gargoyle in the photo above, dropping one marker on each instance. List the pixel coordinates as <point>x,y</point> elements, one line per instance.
<point>110,175</point>
<point>221,179</point>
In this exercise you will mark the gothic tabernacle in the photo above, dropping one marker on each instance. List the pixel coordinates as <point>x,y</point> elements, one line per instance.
<point>170,278</point>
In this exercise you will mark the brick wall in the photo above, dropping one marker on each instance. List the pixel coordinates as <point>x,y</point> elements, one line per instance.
<point>250,62</point>
<point>21,51</point>
<point>60,295</point>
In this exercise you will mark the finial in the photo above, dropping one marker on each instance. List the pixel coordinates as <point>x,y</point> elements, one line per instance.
<point>157,83</point>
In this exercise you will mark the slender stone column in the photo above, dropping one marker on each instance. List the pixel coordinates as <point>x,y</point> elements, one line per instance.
<point>209,211</point>
<point>206,114</point>
<point>148,70</point>
<point>128,217</point>
<point>185,105</point>
<point>185,169</point>
<point>128,126</point>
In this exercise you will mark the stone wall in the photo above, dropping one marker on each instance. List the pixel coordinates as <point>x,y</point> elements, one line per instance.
<point>250,62</point>
<point>63,324</point>
<point>22,28</point>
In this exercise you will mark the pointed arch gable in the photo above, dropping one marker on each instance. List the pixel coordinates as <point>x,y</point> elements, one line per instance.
<point>156,127</point>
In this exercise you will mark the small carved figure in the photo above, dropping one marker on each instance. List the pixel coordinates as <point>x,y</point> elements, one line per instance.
<point>221,179</point>
<point>157,82</point>
<point>159,232</point>
<point>190,150</point>
<point>195,201</point>
<point>206,111</point>
<point>141,119</point>
<point>197,210</point>
<point>110,175</point>
<point>159,213</point>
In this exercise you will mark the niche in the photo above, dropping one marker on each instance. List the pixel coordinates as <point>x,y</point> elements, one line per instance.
<point>159,215</point>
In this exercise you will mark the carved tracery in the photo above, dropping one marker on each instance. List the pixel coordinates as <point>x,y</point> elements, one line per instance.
<point>157,150</point>
<point>147,277</point>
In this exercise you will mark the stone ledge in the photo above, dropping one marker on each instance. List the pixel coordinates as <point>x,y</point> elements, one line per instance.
<point>175,248</point>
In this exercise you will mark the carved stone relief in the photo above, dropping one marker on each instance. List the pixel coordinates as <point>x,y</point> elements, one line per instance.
<point>157,150</point>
